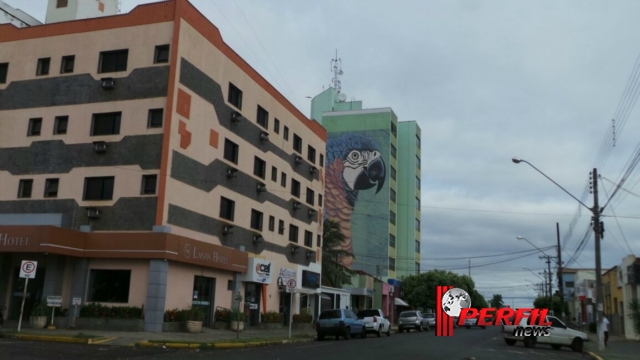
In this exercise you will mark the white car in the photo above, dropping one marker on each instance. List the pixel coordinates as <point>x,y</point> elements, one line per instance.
<point>375,322</point>
<point>560,336</point>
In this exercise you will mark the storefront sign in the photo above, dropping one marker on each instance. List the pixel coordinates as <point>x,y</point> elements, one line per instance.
<point>310,279</point>
<point>259,271</point>
<point>285,275</point>
<point>19,241</point>
<point>192,252</point>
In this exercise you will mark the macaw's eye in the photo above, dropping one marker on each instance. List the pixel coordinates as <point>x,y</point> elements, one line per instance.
<point>355,155</point>
<point>376,154</point>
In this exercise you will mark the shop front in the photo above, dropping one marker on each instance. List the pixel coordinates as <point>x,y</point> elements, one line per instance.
<point>117,269</point>
<point>256,281</point>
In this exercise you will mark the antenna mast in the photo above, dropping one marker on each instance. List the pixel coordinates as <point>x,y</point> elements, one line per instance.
<point>336,68</point>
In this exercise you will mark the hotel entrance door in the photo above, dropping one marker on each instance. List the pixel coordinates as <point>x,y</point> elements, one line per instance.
<point>203,295</point>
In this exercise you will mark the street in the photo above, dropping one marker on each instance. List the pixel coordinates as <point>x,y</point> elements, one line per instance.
<point>465,344</point>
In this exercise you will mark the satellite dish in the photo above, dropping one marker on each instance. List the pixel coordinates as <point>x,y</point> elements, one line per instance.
<point>342,97</point>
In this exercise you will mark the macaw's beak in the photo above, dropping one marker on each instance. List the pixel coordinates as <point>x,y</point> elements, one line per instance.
<point>372,174</point>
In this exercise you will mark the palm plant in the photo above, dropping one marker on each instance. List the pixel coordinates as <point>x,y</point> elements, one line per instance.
<point>634,307</point>
<point>334,273</point>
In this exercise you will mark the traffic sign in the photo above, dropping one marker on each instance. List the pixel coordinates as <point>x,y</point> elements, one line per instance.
<point>54,301</point>
<point>291,283</point>
<point>76,301</point>
<point>28,269</point>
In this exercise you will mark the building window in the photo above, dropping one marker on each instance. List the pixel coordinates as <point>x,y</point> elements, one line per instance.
<point>285,134</point>
<point>67,64</point>
<point>418,141</point>
<point>149,184</point>
<point>392,217</point>
<point>283,180</point>
<point>256,220</point>
<point>417,183</point>
<point>98,188</point>
<point>60,125</point>
<point>24,188</point>
<point>320,200</point>
<point>155,118</point>
<point>295,188</point>
<point>227,208</point>
<point>417,162</point>
<point>417,224</point>
<point>308,238</point>
<point>51,188</point>
<point>417,268</point>
<point>274,174</point>
<point>293,233</point>
<point>393,172</point>
<point>310,196</point>
<point>230,285</point>
<point>392,241</point>
<point>235,96</point>
<point>417,246</point>
<point>393,151</point>
<point>231,151</point>
<point>311,154</point>
<point>109,286</point>
<point>112,61</point>
<point>297,143</point>
<point>4,69</point>
<point>417,204</point>
<point>569,284</point>
<point>259,167</point>
<point>161,54</point>
<point>281,227</point>
<point>272,223</point>
<point>392,195</point>
<point>263,117</point>
<point>319,241</point>
<point>61,4</point>
<point>394,129</point>
<point>392,264</point>
<point>43,66</point>
<point>321,160</point>
<point>276,126</point>
<point>35,126</point>
<point>106,124</point>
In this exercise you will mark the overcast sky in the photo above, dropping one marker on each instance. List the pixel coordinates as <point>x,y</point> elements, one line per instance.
<point>486,81</point>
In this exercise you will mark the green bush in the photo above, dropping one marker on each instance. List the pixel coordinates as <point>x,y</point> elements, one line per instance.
<point>303,318</point>
<point>237,315</point>
<point>173,315</point>
<point>39,310</point>
<point>95,310</point>
<point>192,314</point>
<point>222,315</point>
<point>272,317</point>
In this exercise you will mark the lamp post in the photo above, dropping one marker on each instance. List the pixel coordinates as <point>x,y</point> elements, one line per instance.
<point>596,211</point>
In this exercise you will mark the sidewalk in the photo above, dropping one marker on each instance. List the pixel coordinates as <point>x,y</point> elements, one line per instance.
<point>120,338</point>
<point>617,348</point>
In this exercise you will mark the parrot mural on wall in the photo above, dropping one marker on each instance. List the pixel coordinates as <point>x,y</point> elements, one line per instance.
<point>353,164</point>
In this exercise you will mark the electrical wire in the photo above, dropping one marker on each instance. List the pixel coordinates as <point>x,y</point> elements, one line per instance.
<point>617,222</point>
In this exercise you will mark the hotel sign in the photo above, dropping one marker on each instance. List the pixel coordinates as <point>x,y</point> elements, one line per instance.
<point>7,240</point>
<point>193,252</point>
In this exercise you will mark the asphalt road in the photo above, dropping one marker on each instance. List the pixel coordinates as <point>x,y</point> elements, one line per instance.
<point>465,344</point>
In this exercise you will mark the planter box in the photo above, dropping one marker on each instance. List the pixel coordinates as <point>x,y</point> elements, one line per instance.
<point>221,325</point>
<point>173,327</point>
<point>132,325</point>
<point>271,326</point>
<point>38,322</point>
<point>302,326</point>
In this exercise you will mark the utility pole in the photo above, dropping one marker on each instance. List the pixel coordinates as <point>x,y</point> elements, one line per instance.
<point>469,267</point>
<point>549,280</point>
<point>596,230</point>
<point>544,283</point>
<point>560,277</point>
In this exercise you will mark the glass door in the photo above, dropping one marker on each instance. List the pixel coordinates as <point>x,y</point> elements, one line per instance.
<point>203,295</point>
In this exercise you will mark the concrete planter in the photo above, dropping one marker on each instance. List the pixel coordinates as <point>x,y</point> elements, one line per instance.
<point>302,326</point>
<point>178,326</point>
<point>236,326</point>
<point>194,327</point>
<point>106,324</point>
<point>38,322</point>
<point>270,326</point>
<point>221,325</point>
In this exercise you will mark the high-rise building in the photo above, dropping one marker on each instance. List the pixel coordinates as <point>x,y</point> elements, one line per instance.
<point>67,10</point>
<point>372,183</point>
<point>17,17</point>
<point>144,163</point>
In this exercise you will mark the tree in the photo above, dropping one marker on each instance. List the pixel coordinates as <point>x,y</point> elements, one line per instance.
<point>542,302</point>
<point>334,274</point>
<point>420,290</point>
<point>496,301</point>
<point>477,300</point>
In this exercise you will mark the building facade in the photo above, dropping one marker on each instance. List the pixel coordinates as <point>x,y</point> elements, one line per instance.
<point>17,17</point>
<point>629,278</point>
<point>146,135</point>
<point>612,298</point>
<point>67,10</point>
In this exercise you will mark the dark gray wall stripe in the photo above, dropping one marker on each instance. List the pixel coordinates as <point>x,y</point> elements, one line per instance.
<point>142,83</point>
<point>208,177</point>
<point>239,236</point>
<point>127,214</point>
<point>208,89</point>
<point>55,157</point>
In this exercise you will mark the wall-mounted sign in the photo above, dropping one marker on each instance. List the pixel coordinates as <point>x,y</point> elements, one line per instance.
<point>253,306</point>
<point>6,240</point>
<point>193,252</point>
<point>259,271</point>
<point>285,275</point>
<point>310,279</point>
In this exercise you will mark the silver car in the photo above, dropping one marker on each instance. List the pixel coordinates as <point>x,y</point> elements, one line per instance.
<point>412,320</point>
<point>431,319</point>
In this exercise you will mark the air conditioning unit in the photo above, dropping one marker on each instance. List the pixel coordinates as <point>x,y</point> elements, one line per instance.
<point>100,147</point>
<point>313,170</point>
<point>226,230</point>
<point>261,187</point>
<point>296,205</point>
<point>235,116</point>
<point>93,213</point>
<point>298,159</point>
<point>108,83</point>
<point>257,238</point>
<point>231,172</point>
<point>312,213</point>
<point>264,136</point>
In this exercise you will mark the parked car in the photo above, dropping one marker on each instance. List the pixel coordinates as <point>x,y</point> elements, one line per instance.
<point>412,320</point>
<point>339,322</point>
<point>431,319</point>
<point>375,322</point>
<point>469,323</point>
<point>560,336</point>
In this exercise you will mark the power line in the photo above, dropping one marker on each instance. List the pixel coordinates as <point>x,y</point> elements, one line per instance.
<point>617,222</point>
<point>456,258</point>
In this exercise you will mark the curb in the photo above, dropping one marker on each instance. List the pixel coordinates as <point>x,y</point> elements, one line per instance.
<point>61,339</point>
<point>221,345</point>
<point>594,356</point>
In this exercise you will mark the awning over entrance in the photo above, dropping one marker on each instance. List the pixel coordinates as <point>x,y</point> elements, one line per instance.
<point>307,291</point>
<point>400,302</point>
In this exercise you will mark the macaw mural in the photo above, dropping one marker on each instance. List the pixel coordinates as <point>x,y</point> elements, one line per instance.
<point>354,164</point>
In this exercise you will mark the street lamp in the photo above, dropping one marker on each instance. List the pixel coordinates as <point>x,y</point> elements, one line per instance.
<point>596,211</point>
<point>530,243</point>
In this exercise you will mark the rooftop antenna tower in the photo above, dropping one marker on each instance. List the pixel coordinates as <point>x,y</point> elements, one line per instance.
<point>119,6</point>
<point>336,68</point>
